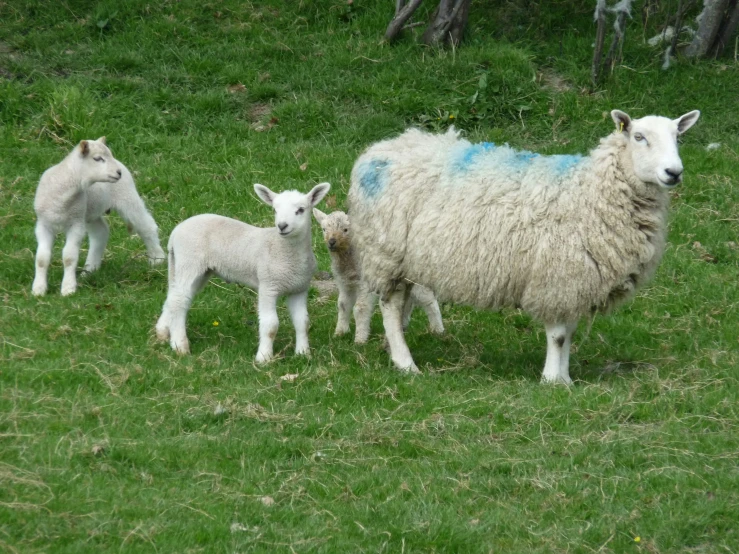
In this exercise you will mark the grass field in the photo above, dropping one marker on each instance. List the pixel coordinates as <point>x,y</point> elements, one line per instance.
<point>110,443</point>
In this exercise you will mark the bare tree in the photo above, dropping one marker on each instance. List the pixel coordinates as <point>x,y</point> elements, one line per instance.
<point>446,26</point>
<point>622,10</point>
<point>718,23</point>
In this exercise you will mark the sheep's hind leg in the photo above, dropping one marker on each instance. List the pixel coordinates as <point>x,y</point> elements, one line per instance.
<point>99,233</point>
<point>268,325</point>
<point>45,239</point>
<point>297,305</point>
<point>174,314</point>
<point>392,318</point>
<point>557,365</point>
<point>421,296</point>
<point>70,257</point>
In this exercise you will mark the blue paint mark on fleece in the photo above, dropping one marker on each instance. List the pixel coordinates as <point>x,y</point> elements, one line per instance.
<point>373,176</point>
<point>561,163</point>
<point>471,152</point>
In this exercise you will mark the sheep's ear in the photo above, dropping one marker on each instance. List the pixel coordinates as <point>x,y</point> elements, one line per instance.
<point>102,139</point>
<point>687,121</point>
<point>84,148</point>
<point>264,194</point>
<point>622,121</point>
<point>318,192</point>
<point>319,215</point>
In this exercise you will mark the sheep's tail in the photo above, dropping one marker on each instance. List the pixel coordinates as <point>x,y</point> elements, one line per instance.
<point>170,262</point>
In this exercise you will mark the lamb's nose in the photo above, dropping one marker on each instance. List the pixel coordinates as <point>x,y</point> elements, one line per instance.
<point>332,242</point>
<point>674,174</point>
<point>282,226</point>
<point>119,173</point>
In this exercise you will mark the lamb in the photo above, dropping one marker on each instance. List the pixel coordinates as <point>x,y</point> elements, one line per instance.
<point>353,293</point>
<point>559,236</point>
<point>276,261</point>
<point>72,197</point>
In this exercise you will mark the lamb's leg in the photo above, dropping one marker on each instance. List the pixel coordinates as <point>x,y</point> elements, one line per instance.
<point>557,365</point>
<point>165,320</point>
<point>268,325</point>
<point>70,257</point>
<point>174,314</point>
<point>392,314</point>
<point>410,304</point>
<point>99,232</point>
<point>423,297</point>
<point>363,309</point>
<point>297,305</point>
<point>132,209</point>
<point>347,300</point>
<point>45,239</point>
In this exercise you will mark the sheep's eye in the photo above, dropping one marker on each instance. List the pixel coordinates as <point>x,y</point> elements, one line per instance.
<point>98,159</point>
<point>346,230</point>
<point>638,137</point>
<point>300,211</point>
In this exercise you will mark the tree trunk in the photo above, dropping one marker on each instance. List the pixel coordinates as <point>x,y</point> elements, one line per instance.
<point>448,24</point>
<point>403,12</point>
<point>600,37</point>
<point>708,29</point>
<point>727,29</point>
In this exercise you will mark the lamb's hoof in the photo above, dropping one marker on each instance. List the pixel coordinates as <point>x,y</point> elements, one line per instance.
<point>303,352</point>
<point>556,380</point>
<point>437,330</point>
<point>162,334</point>
<point>68,290</point>
<point>89,268</point>
<point>39,290</point>
<point>360,340</point>
<point>156,260</point>
<point>262,358</point>
<point>341,332</point>
<point>182,348</point>
<point>411,369</point>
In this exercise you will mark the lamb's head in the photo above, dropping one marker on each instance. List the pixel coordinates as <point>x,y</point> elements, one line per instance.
<point>335,227</point>
<point>652,144</point>
<point>97,163</point>
<point>292,208</point>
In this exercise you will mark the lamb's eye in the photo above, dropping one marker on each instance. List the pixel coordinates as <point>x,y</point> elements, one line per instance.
<point>346,230</point>
<point>98,159</point>
<point>300,211</point>
<point>638,137</point>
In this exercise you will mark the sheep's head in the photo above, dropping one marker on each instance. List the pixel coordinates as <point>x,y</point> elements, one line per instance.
<point>292,208</point>
<point>335,227</point>
<point>653,145</point>
<point>98,163</point>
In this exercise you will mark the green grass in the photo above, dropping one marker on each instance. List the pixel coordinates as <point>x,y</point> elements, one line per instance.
<point>109,442</point>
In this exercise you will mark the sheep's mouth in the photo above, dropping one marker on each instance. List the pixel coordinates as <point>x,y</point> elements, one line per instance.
<point>114,178</point>
<point>668,184</point>
<point>285,233</point>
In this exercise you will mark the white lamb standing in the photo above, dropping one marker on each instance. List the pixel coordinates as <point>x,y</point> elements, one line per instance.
<point>559,236</point>
<point>353,292</point>
<point>275,261</point>
<point>72,197</point>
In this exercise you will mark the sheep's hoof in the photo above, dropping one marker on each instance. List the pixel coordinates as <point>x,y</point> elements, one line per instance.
<point>156,260</point>
<point>408,369</point>
<point>341,331</point>
<point>305,351</point>
<point>89,268</point>
<point>262,358</point>
<point>162,334</point>
<point>182,348</point>
<point>360,339</point>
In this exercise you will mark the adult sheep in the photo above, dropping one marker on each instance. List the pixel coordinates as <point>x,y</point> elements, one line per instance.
<point>559,236</point>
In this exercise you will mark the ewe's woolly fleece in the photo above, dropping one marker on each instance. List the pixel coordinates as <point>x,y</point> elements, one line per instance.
<point>489,226</point>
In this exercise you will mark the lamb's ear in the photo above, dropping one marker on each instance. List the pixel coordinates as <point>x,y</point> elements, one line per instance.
<point>687,121</point>
<point>264,194</point>
<point>622,121</point>
<point>318,192</point>
<point>102,139</point>
<point>319,215</point>
<point>84,148</point>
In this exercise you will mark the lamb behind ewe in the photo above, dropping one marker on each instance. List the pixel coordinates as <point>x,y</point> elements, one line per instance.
<point>72,197</point>
<point>559,236</point>
<point>276,261</point>
<point>353,293</point>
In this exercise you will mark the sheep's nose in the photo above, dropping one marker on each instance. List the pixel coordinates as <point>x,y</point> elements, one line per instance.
<point>332,242</point>
<point>674,174</point>
<point>282,226</point>
<point>119,173</point>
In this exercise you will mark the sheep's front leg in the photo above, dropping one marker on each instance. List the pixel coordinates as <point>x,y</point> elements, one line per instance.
<point>423,297</point>
<point>70,257</point>
<point>557,365</point>
<point>363,308</point>
<point>45,239</point>
<point>347,300</point>
<point>392,318</point>
<point>297,305</point>
<point>268,325</point>
<point>99,233</point>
